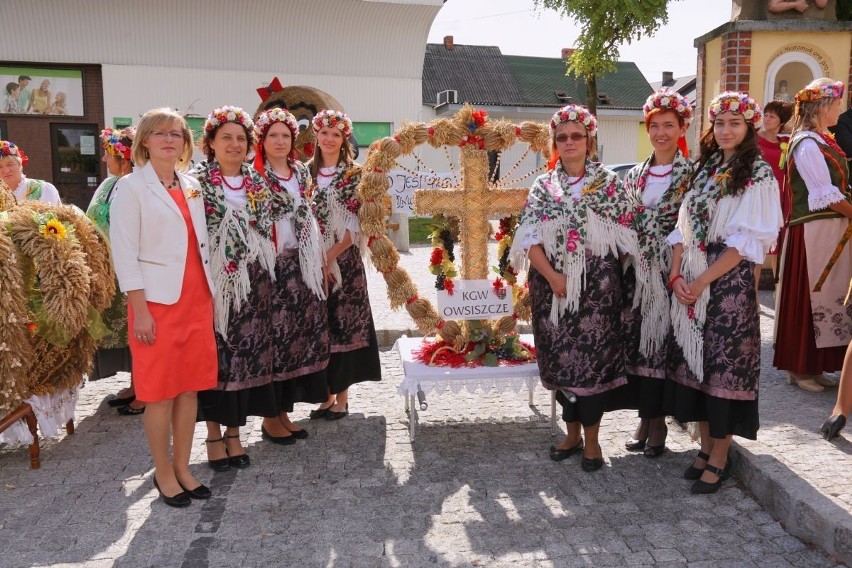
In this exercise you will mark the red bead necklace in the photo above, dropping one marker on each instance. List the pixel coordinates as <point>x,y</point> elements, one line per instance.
<point>242,183</point>
<point>578,180</point>
<point>662,175</point>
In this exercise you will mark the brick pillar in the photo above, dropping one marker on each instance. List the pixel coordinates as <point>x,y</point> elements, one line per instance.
<point>736,61</point>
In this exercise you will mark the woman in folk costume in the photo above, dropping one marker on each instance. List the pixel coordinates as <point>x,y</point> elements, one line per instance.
<point>300,316</point>
<point>113,354</point>
<point>728,221</point>
<point>575,223</point>
<point>813,322</point>
<point>354,348</point>
<point>655,189</point>
<point>12,162</point>
<point>240,219</point>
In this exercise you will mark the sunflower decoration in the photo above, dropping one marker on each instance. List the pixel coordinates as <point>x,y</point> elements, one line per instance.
<point>53,229</point>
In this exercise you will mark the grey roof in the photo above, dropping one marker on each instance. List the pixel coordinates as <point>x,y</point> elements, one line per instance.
<point>477,72</point>
<point>483,75</point>
<point>685,85</point>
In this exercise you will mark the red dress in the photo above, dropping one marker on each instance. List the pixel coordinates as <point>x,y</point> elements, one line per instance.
<point>771,152</point>
<point>183,357</point>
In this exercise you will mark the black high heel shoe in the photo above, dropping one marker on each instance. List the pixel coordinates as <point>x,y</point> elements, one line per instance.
<point>241,461</point>
<point>280,440</point>
<point>180,500</point>
<point>705,488</point>
<point>832,427</point>
<point>557,454</point>
<point>332,415</point>
<point>634,445</point>
<point>222,464</point>
<point>693,472</point>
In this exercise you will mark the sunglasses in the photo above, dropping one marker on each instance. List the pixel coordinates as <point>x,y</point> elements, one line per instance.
<point>575,137</point>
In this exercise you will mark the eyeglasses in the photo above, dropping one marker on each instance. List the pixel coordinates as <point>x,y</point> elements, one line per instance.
<point>163,135</point>
<point>575,137</point>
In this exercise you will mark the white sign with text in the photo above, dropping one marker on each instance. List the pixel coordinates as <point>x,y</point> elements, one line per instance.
<point>475,300</point>
<point>403,185</point>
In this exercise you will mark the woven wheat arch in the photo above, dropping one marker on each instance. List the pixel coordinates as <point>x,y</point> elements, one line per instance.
<point>474,202</point>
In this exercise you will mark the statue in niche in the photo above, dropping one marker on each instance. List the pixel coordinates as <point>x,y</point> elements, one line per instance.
<point>781,94</point>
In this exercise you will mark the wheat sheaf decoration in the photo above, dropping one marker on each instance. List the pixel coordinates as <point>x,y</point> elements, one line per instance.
<point>55,280</point>
<point>474,202</point>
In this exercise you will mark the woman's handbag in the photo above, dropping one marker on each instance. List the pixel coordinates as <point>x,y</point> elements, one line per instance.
<point>223,354</point>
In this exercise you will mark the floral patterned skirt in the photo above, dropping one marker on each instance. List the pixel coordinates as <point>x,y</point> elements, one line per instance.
<point>248,390</point>
<point>645,375</point>
<point>584,354</point>
<point>301,337</point>
<point>727,398</point>
<point>354,347</point>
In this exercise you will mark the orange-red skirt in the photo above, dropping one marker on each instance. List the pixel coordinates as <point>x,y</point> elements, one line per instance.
<point>183,357</point>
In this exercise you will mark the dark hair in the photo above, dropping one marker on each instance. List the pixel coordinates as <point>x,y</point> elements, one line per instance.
<point>208,137</point>
<point>11,87</point>
<point>783,110</point>
<point>741,163</point>
<point>24,78</point>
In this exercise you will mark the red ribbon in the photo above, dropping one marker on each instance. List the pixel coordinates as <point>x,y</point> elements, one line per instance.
<point>274,86</point>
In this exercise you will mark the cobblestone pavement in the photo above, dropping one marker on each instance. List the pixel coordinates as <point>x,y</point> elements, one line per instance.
<point>476,489</point>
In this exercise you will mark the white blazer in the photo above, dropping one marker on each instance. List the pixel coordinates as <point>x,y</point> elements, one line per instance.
<point>148,235</point>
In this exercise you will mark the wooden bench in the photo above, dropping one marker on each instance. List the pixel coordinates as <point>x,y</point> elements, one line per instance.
<point>25,412</point>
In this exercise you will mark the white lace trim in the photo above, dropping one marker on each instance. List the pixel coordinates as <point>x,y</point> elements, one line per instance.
<point>52,411</point>
<point>822,197</point>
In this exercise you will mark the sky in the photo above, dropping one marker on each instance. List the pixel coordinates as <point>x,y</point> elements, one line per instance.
<point>519,29</point>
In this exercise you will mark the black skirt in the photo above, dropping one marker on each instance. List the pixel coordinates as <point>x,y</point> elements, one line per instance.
<point>725,416</point>
<point>108,362</point>
<point>349,367</point>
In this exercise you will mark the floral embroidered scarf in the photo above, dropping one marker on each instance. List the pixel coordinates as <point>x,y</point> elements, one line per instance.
<point>597,222</point>
<point>311,253</point>
<point>652,226</point>
<point>337,203</point>
<point>237,237</point>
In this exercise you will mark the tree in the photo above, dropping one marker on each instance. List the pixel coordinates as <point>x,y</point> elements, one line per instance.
<point>604,26</point>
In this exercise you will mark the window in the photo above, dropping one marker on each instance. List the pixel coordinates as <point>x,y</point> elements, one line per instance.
<point>76,161</point>
<point>368,132</point>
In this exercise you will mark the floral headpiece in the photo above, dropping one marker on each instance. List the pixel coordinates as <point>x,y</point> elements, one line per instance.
<point>737,103</point>
<point>575,113</point>
<point>111,140</point>
<point>225,114</point>
<point>830,91</point>
<point>332,118</point>
<point>270,117</point>
<point>10,149</point>
<point>669,99</point>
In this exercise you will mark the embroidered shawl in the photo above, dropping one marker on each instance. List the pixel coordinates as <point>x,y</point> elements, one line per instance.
<point>704,218</point>
<point>652,226</point>
<point>311,252</point>
<point>336,207</point>
<point>237,237</point>
<point>596,223</point>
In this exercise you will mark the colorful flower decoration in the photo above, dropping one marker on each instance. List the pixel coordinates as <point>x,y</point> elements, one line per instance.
<point>111,140</point>
<point>575,113</point>
<point>669,99</point>
<point>270,117</point>
<point>225,114</point>
<point>10,149</point>
<point>332,119</point>
<point>736,103</point>
<point>830,91</point>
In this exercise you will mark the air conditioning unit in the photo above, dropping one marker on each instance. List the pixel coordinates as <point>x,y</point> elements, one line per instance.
<point>448,97</point>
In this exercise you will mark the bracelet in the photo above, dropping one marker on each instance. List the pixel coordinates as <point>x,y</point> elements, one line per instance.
<point>674,279</point>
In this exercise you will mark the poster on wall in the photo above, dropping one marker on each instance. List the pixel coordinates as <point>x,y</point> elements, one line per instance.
<point>37,90</point>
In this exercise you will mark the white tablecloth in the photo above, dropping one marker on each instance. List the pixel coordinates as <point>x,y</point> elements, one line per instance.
<point>441,379</point>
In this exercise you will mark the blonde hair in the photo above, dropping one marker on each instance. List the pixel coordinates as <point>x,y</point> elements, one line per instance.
<point>153,120</point>
<point>806,113</point>
<point>591,143</point>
